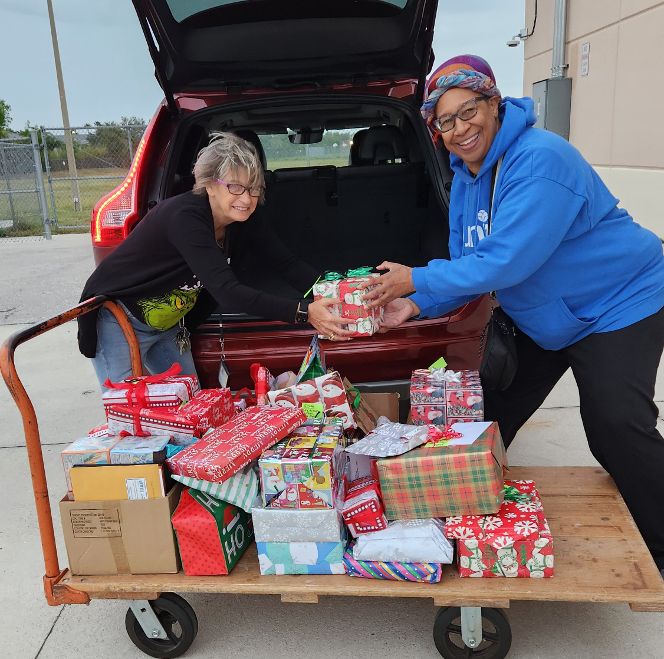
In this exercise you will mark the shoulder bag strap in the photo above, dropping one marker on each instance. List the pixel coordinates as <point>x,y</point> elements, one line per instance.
<point>494,178</point>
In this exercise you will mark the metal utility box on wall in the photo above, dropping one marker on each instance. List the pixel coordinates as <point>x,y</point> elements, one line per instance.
<point>553,100</point>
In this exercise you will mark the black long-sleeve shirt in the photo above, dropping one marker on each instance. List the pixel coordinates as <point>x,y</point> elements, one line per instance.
<point>171,265</point>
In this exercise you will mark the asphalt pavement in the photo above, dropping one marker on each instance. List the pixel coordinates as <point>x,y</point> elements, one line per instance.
<point>41,278</point>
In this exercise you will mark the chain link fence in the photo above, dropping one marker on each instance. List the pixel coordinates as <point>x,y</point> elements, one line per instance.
<point>52,180</point>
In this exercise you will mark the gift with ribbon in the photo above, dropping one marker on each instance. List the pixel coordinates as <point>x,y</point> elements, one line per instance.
<point>327,389</point>
<point>209,408</point>
<point>442,397</point>
<point>345,286</point>
<point>161,390</point>
<point>362,508</point>
<point>514,542</point>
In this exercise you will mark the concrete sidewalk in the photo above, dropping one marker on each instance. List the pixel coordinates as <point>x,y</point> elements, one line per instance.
<point>63,389</point>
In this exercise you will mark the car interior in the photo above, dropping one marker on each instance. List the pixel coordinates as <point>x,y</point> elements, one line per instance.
<point>377,204</point>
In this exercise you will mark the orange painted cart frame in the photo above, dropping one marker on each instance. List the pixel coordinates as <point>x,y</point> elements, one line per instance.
<point>600,555</point>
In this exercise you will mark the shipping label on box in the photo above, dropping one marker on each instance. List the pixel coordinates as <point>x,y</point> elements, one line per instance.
<point>439,481</point>
<point>226,450</point>
<point>212,534</point>
<point>515,542</point>
<point>120,537</point>
<point>114,482</point>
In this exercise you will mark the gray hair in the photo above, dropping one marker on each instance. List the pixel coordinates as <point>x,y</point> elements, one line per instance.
<point>227,153</point>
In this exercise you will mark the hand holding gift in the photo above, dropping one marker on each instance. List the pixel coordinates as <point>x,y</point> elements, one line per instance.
<point>329,325</point>
<point>395,283</point>
<point>397,312</point>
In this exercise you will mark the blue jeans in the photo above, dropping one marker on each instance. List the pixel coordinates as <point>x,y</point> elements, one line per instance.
<point>158,349</point>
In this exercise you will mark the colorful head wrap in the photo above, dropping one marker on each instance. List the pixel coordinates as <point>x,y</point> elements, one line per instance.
<point>467,71</point>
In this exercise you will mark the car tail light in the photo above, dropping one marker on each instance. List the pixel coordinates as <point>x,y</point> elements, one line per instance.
<point>115,213</point>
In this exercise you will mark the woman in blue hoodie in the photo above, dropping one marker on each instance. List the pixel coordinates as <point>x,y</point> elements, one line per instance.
<point>584,283</point>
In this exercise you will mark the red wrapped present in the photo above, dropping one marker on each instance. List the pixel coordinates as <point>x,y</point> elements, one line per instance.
<point>363,510</point>
<point>165,389</point>
<point>232,446</point>
<point>263,382</point>
<point>515,542</point>
<point>443,397</point>
<point>327,389</point>
<point>212,534</point>
<point>209,408</point>
<point>362,320</point>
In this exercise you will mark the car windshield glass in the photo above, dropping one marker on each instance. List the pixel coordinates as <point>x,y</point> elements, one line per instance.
<point>183,9</point>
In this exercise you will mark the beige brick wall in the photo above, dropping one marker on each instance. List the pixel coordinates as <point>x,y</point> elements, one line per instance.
<point>617,118</point>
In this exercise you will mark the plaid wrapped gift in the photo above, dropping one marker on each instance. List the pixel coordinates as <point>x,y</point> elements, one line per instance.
<point>362,321</point>
<point>231,447</point>
<point>444,397</point>
<point>515,542</point>
<point>208,408</point>
<point>439,481</point>
<point>327,389</point>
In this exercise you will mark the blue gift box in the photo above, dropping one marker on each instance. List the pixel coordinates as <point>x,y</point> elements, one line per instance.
<point>301,557</point>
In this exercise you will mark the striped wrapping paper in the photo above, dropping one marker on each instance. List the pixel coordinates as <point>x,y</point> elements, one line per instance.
<point>394,571</point>
<point>241,489</point>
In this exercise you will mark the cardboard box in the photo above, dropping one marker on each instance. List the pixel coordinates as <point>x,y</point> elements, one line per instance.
<point>439,481</point>
<point>369,406</point>
<point>115,482</point>
<point>120,537</point>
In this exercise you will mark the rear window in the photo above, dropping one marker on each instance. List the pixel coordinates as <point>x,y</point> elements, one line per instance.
<point>183,9</point>
<point>333,149</point>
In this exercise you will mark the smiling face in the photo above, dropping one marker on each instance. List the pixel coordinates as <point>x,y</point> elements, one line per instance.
<point>470,140</point>
<point>226,207</point>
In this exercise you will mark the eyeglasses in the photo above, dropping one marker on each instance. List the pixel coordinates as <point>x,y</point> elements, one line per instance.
<point>466,112</point>
<point>237,189</point>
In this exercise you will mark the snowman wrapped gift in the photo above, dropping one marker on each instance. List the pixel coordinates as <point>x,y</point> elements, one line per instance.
<point>362,321</point>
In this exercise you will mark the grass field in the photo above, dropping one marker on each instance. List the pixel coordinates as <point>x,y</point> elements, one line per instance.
<point>20,214</point>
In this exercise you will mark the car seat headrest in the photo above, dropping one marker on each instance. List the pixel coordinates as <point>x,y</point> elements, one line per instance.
<point>381,145</point>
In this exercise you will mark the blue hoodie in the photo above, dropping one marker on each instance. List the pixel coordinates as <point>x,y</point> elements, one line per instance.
<point>564,260</point>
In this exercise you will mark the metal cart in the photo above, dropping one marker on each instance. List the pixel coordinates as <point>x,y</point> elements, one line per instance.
<point>600,555</point>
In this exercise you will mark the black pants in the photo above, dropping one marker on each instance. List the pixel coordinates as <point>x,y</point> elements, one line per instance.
<point>615,373</point>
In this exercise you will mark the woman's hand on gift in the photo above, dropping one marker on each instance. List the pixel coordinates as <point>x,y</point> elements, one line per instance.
<point>328,325</point>
<point>395,283</point>
<point>398,312</point>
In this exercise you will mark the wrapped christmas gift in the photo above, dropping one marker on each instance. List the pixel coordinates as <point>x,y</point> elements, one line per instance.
<point>161,390</point>
<point>212,535</point>
<point>515,542</point>
<point>392,570</point>
<point>209,408</point>
<point>91,450</point>
<point>301,470</point>
<point>465,477</point>
<point>327,389</point>
<point>139,450</point>
<point>412,541</point>
<point>300,557</point>
<point>226,450</point>
<point>280,525</point>
<point>240,489</point>
<point>389,439</point>
<point>443,397</point>
<point>362,321</point>
<point>362,508</point>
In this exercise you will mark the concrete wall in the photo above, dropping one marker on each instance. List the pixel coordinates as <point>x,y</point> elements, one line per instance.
<point>617,118</point>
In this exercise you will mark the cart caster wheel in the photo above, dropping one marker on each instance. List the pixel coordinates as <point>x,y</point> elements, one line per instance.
<point>496,635</point>
<point>178,620</point>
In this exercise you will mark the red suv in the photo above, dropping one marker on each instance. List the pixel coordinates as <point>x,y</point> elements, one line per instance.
<point>330,92</point>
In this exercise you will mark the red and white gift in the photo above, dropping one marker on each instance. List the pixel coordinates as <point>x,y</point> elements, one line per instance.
<point>209,408</point>
<point>327,389</point>
<point>229,448</point>
<point>363,510</point>
<point>161,390</point>
<point>515,542</point>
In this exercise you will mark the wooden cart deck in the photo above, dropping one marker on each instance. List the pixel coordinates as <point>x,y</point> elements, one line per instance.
<point>599,557</point>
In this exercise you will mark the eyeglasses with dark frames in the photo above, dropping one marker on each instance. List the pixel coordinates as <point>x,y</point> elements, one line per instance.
<point>446,122</point>
<point>238,189</point>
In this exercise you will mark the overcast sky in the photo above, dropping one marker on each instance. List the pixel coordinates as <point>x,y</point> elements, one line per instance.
<point>108,73</point>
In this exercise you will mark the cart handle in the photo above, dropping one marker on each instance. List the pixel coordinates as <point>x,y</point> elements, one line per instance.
<point>61,594</point>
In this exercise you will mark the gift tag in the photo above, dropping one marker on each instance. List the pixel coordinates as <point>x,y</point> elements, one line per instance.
<point>223,374</point>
